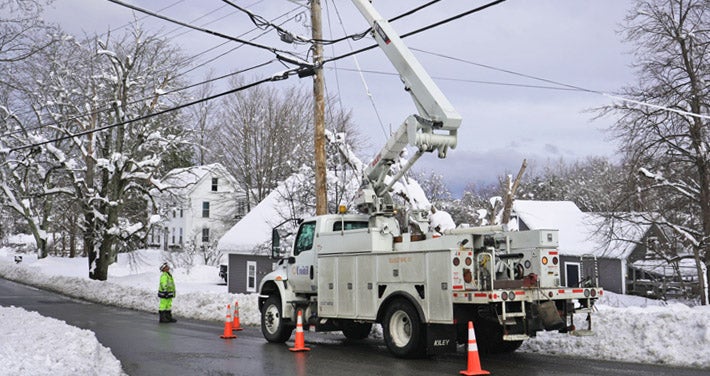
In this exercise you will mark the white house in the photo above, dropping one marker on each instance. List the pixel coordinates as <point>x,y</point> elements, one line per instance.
<point>198,205</point>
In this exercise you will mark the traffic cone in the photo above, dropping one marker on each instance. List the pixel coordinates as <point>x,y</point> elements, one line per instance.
<point>235,323</point>
<point>228,333</point>
<point>474,364</point>
<point>299,345</point>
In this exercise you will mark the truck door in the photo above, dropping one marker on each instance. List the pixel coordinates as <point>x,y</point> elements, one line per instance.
<point>302,264</point>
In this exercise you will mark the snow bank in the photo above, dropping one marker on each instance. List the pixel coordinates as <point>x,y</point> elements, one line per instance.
<point>36,345</point>
<point>626,328</point>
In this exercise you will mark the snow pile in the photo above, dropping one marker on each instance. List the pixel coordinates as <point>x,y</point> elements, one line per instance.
<point>626,328</point>
<point>675,335</point>
<point>36,345</point>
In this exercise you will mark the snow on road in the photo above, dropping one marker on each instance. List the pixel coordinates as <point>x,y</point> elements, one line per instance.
<point>626,328</point>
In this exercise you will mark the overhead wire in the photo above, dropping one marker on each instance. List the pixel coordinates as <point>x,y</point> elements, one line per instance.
<point>417,31</point>
<point>273,50</point>
<point>568,86</point>
<point>177,76</point>
<point>98,111</point>
<point>362,78</point>
<point>462,80</point>
<point>277,77</point>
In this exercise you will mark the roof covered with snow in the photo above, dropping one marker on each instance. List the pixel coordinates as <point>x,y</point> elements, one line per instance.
<point>184,180</point>
<point>255,228</point>
<point>579,233</point>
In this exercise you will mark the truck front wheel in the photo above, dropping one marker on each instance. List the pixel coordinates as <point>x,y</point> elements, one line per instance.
<point>273,326</point>
<point>403,331</point>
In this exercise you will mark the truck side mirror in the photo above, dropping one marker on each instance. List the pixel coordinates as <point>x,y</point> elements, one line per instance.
<point>291,260</point>
<point>275,244</point>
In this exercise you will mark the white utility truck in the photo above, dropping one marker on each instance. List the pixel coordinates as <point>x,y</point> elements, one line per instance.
<point>348,271</point>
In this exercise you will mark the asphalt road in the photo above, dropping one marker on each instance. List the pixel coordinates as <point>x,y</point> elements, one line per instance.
<point>191,347</point>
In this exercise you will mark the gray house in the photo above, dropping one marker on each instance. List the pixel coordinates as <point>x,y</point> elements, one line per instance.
<point>248,244</point>
<point>580,239</point>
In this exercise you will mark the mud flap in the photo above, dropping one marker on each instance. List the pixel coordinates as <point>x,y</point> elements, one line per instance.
<point>551,318</point>
<point>440,338</point>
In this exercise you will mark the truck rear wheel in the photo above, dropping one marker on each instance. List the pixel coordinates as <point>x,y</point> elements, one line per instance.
<point>403,331</point>
<point>273,326</point>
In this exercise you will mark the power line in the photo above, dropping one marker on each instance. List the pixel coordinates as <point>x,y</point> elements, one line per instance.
<point>571,87</point>
<point>178,75</point>
<point>273,50</point>
<point>100,110</point>
<point>417,31</point>
<point>461,80</point>
<point>277,77</point>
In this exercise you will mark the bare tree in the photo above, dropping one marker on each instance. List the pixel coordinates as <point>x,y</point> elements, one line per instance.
<point>22,31</point>
<point>264,135</point>
<point>667,141</point>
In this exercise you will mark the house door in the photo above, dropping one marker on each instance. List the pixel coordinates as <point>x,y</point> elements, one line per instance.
<point>572,274</point>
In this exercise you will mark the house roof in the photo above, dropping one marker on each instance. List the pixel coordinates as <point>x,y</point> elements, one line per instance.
<point>579,232</point>
<point>255,228</point>
<point>184,180</point>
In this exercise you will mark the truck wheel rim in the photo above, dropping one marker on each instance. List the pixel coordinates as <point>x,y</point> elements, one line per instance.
<point>272,319</point>
<point>400,328</point>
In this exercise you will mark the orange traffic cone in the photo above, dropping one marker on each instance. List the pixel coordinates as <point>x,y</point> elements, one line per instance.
<point>235,323</point>
<point>474,364</point>
<point>299,345</point>
<point>228,333</point>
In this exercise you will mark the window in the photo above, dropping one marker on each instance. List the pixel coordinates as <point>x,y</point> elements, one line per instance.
<point>349,225</point>
<point>205,209</point>
<point>173,235</point>
<point>180,213</point>
<point>214,184</point>
<point>205,235</point>
<point>180,235</point>
<point>251,276</point>
<point>173,213</point>
<point>304,239</point>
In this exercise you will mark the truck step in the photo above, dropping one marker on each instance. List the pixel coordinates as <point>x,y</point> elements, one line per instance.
<point>515,314</point>
<point>515,337</point>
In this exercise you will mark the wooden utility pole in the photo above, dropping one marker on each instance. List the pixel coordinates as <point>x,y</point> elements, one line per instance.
<point>319,109</point>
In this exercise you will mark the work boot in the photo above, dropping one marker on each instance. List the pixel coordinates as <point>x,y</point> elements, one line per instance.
<point>169,316</point>
<point>163,316</point>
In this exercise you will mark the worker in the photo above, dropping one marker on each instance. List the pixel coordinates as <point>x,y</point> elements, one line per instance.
<point>166,293</point>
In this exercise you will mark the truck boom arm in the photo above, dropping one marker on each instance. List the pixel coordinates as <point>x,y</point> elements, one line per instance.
<point>434,128</point>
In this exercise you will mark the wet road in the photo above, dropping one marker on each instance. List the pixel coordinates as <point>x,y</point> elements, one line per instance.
<point>191,347</point>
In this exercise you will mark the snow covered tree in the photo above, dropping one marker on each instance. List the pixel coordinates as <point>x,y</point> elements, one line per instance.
<point>667,141</point>
<point>22,31</point>
<point>94,139</point>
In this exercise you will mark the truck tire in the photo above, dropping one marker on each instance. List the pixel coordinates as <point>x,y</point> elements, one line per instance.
<point>356,330</point>
<point>273,326</point>
<point>403,331</point>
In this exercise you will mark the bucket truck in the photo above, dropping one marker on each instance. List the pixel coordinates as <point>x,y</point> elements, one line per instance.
<point>347,272</point>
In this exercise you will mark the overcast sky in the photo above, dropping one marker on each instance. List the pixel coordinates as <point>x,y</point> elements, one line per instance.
<point>573,42</point>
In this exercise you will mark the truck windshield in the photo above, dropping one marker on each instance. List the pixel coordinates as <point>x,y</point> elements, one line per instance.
<point>304,240</point>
